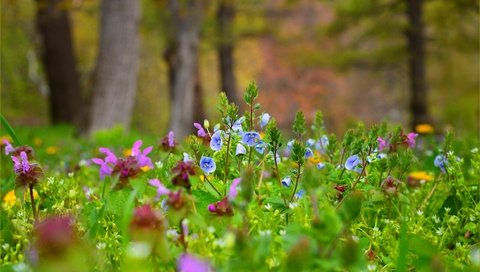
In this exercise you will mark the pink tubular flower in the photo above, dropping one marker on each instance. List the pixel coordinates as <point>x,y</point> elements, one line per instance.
<point>411,139</point>
<point>382,144</point>
<point>224,207</point>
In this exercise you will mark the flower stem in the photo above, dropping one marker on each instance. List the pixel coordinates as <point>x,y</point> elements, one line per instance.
<point>214,188</point>
<point>226,160</point>
<point>32,201</point>
<point>296,182</point>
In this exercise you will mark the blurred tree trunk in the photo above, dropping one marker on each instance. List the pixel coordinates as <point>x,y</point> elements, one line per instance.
<point>53,23</point>
<point>225,16</point>
<point>416,65</point>
<point>115,78</point>
<point>186,20</point>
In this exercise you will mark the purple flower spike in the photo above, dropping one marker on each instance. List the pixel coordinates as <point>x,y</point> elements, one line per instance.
<point>161,189</point>
<point>21,166</point>
<point>216,142</point>
<point>190,263</point>
<point>233,192</point>
<point>411,139</point>
<point>208,165</point>
<point>201,131</point>
<point>250,138</point>
<point>171,139</point>
<point>354,163</point>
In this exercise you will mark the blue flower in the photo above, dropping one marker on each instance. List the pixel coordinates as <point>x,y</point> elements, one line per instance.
<point>286,181</point>
<point>240,150</point>
<point>322,144</point>
<point>264,120</point>
<point>290,144</point>
<point>381,156</point>
<point>321,165</point>
<point>310,142</point>
<point>237,125</point>
<point>260,147</point>
<point>216,141</point>
<point>354,163</point>
<point>250,138</point>
<point>308,153</point>
<point>300,194</point>
<point>441,162</point>
<point>207,165</point>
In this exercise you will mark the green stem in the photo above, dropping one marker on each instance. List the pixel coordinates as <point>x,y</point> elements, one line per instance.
<point>214,188</point>
<point>250,155</point>
<point>226,159</point>
<point>32,201</point>
<point>296,182</point>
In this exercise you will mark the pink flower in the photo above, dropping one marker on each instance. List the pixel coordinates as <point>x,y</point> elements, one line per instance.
<point>8,147</point>
<point>382,144</point>
<point>233,192</point>
<point>201,132</point>
<point>161,189</point>
<point>189,263</point>
<point>411,139</point>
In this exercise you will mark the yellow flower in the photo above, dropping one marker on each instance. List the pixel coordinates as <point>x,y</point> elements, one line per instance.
<point>127,152</point>
<point>424,128</point>
<point>37,141</point>
<point>262,135</point>
<point>202,178</point>
<point>420,175</point>
<point>145,168</point>
<point>9,199</point>
<point>316,158</point>
<point>26,195</point>
<point>52,150</point>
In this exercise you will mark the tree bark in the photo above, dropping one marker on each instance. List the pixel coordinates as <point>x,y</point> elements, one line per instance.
<point>416,66</point>
<point>225,16</point>
<point>186,19</point>
<point>115,78</point>
<point>53,24</point>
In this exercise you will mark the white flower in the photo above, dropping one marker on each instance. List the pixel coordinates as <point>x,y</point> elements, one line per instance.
<point>268,206</point>
<point>419,212</point>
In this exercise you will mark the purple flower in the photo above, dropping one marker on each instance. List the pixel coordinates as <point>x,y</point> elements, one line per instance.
<point>233,192</point>
<point>321,165</point>
<point>354,163</point>
<point>216,142</point>
<point>109,156</point>
<point>286,181</point>
<point>161,189</point>
<point>105,169</point>
<point>168,142</point>
<point>8,147</point>
<point>240,150</point>
<point>264,120</point>
<point>250,138</point>
<point>171,139</point>
<point>21,166</point>
<point>208,165</point>
<point>200,131</point>
<point>190,263</point>
<point>441,162</point>
<point>411,139</point>
<point>140,155</point>
<point>308,153</point>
